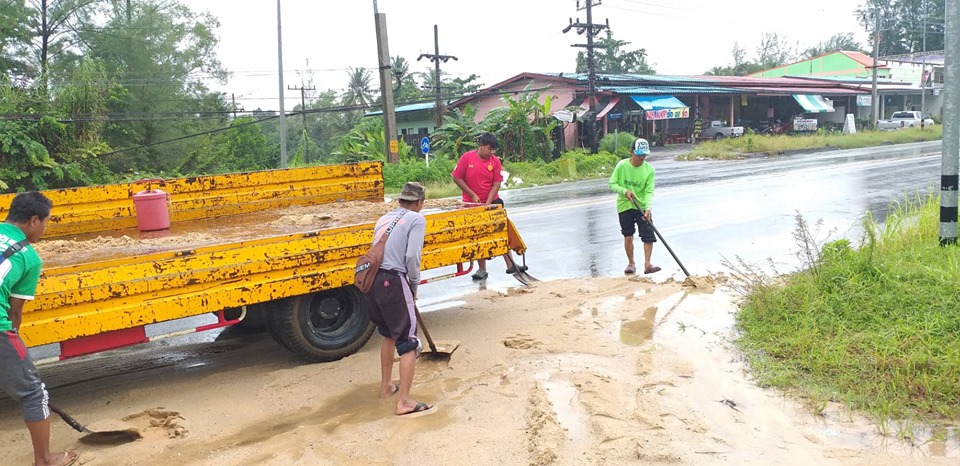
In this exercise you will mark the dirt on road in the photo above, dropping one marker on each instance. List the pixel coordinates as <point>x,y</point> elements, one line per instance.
<point>593,371</point>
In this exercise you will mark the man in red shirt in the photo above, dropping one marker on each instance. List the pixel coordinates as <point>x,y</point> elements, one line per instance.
<point>478,174</point>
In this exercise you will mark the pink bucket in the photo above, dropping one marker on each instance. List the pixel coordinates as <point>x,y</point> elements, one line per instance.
<point>152,210</point>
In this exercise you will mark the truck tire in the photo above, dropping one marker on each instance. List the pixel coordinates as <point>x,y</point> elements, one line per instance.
<point>718,136</point>
<point>323,326</point>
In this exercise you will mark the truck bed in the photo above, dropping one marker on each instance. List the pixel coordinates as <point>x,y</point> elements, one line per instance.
<point>191,234</point>
<point>235,240</point>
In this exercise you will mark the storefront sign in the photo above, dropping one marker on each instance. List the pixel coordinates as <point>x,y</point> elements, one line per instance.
<point>668,114</point>
<point>805,124</point>
<point>565,116</point>
<point>615,116</point>
<point>864,100</point>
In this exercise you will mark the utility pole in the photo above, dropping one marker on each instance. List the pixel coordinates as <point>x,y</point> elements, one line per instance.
<point>436,58</point>
<point>303,112</point>
<point>874,100</point>
<point>233,99</point>
<point>591,30</point>
<point>283,112</point>
<point>923,72</point>
<point>951,126</point>
<point>392,148</point>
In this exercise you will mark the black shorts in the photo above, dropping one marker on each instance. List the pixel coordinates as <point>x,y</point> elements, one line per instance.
<point>391,308</point>
<point>634,218</point>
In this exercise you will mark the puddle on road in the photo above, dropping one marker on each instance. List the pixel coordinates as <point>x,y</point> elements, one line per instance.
<point>637,332</point>
<point>563,397</point>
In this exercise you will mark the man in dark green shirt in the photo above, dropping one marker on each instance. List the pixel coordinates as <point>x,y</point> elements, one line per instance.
<point>633,180</point>
<point>19,273</point>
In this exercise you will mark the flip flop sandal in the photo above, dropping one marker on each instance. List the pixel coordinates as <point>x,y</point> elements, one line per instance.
<point>630,270</point>
<point>421,409</point>
<point>652,269</point>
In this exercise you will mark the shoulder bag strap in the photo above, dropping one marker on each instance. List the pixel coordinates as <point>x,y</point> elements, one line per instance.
<point>390,228</point>
<point>17,247</point>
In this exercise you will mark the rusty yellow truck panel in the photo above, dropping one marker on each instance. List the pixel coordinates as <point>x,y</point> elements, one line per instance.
<point>105,208</point>
<point>90,298</point>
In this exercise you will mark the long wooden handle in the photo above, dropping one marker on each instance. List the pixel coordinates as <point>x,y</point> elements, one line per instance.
<point>70,420</point>
<point>423,327</point>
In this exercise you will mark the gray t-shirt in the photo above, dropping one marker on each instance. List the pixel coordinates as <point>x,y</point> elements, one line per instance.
<point>404,247</point>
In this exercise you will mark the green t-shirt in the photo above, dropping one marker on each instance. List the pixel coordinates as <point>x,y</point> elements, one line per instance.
<point>18,274</point>
<point>640,180</point>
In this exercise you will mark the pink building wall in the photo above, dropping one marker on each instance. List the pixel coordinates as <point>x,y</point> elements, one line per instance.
<point>561,92</point>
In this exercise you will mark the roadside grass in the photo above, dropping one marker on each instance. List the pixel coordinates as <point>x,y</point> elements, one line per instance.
<point>734,148</point>
<point>876,327</point>
<point>439,184</point>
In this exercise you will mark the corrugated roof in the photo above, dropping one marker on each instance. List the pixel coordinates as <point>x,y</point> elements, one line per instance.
<point>407,108</point>
<point>660,90</point>
<point>860,57</point>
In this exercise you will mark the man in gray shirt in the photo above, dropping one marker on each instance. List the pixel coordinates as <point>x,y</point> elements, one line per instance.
<point>390,302</point>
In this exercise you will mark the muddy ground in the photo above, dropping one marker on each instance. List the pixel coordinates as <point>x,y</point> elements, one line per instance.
<point>594,371</point>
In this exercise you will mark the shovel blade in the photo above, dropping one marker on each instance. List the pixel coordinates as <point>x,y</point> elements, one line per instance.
<point>112,437</point>
<point>445,348</point>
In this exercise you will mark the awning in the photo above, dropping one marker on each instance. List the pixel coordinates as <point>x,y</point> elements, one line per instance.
<point>613,103</point>
<point>814,103</point>
<point>661,107</point>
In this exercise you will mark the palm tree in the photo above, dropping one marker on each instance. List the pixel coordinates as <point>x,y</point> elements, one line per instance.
<point>359,90</point>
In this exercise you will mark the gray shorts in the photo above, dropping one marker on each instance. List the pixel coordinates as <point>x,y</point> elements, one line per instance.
<point>19,378</point>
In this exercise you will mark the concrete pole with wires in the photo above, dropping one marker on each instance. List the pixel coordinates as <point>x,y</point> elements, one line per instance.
<point>874,100</point>
<point>283,112</point>
<point>950,161</point>
<point>923,72</point>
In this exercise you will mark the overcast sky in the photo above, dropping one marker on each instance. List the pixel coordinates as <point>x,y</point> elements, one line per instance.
<point>495,39</point>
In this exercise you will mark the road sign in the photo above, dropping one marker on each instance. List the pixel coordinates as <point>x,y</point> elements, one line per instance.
<point>394,146</point>
<point>425,145</point>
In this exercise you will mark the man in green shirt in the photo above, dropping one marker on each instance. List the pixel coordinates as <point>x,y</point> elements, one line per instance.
<point>19,273</point>
<point>633,179</point>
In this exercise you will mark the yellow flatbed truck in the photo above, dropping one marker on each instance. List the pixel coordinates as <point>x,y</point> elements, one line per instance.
<point>229,251</point>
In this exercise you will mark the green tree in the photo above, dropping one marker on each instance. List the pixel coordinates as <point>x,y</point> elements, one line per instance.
<point>459,132</point>
<point>241,148</point>
<point>836,43</point>
<point>15,37</point>
<point>774,50</point>
<point>359,88</point>
<point>166,97</point>
<point>902,24</point>
<point>406,88</point>
<point>612,57</point>
<point>740,67</point>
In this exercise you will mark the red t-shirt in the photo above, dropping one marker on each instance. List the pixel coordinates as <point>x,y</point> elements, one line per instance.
<point>479,174</point>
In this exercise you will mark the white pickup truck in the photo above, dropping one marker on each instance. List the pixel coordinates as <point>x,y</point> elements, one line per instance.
<point>904,120</point>
<point>718,131</point>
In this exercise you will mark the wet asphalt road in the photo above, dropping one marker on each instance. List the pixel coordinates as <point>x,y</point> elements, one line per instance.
<point>706,211</point>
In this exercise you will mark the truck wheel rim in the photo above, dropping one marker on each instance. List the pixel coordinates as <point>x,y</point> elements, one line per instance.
<point>327,316</point>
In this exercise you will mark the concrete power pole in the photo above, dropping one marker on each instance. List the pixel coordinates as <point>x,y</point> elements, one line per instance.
<point>392,148</point>
<point>436,58</point>
<point>874,98</point>
<point>923,72</point>
<point>283,112</point>
<point>303,112</point>
<point>951,126</point>
<point>591,30</point>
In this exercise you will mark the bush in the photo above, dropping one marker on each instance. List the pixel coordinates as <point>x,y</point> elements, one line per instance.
<point>412,169</point>
<point>623,142</point>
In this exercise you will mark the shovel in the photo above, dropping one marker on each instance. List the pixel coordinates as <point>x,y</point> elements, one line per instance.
<point>657,232</point>
<point>107,437</point>
<point>442,352</point>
